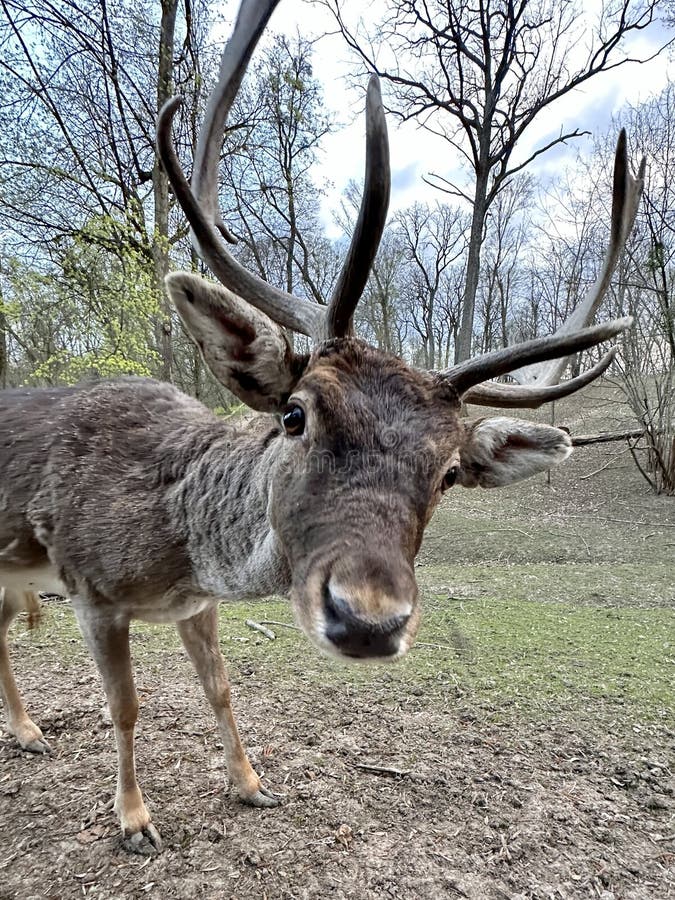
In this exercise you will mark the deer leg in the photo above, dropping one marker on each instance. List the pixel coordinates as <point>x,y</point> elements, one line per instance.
<point>200,638</point>
<point>19,722</point>
<point>108,642</point>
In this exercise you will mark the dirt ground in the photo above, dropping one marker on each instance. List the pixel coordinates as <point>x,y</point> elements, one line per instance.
<point>525,749</point>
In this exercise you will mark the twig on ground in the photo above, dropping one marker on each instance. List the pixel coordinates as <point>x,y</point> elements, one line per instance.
<point>383,770</point>
<point>504,853</point>
<point>518,530</point>
<point>585,542</point>
<point>256,626</point>
<point>463,599</point>
<point>279,624</point>
<point>606,466</point>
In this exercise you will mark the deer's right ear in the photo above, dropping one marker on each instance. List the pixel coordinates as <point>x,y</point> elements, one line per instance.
<point>244,348</point>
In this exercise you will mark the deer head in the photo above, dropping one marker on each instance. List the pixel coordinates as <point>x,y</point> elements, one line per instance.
<point>366,445</point>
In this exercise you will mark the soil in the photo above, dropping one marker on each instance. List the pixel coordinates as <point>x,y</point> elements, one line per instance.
<point>435,779</point>
<point>538,810</point>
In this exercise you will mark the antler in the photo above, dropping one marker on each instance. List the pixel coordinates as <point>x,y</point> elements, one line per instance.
<point>542,361</point>
<point>371,220</point>
<point>200,202</point>
<point>513,396</point>
<point>545,359</point>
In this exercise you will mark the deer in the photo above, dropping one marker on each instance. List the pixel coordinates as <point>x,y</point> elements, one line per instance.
<point>135,501</point>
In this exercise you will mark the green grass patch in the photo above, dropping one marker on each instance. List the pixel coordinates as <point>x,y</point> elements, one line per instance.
<point>584,659</point>
<point>505,657</point>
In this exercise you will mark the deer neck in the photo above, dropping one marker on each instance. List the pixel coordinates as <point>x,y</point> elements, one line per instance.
<point>223,503</point>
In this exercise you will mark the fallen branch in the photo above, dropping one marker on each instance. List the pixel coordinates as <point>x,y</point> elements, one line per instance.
<point>621,521</point>
<point>256,626</point>
<point>605,437</point>
<point>279,624</point>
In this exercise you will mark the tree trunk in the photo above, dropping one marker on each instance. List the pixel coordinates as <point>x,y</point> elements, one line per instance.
<point>431,341</point>
<point>197,368</point>
<point>385,341</point>
<point>503,312</point>
<point>4,361</point>
<point>670,485</point>
<point>160,244</point>
<point>464,338</point>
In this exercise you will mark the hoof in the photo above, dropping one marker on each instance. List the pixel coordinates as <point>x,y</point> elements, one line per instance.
<point>39,745</point>
<point>29,737</point>
<point>263,799</point>
<point>146,842</point>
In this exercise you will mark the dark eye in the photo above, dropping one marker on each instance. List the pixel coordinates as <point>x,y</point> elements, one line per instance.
<point>450,477</point>
<point>293,420</point>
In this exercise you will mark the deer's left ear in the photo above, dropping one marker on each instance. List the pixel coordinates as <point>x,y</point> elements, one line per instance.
<point>500,451</point>
<point>246,351</point>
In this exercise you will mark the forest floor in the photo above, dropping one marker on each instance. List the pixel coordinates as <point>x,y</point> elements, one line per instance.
<point>525,748</point>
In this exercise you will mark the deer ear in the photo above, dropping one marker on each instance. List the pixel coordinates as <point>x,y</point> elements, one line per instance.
<point>244,348</point>
<point>500,451</point>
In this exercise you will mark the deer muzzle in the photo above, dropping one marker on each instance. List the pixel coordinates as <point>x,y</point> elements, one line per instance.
<point>369,609</point>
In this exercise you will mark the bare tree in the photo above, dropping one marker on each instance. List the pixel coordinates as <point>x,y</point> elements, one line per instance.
<point>275,149</point>
<point>159,245</point>
<point>502,272</point>
<point>433,241</point>
<point>4,361</point>
<point>478,75</point>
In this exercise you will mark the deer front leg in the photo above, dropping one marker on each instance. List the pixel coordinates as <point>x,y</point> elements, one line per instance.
<point>200,638</point>
<point>19,722</point>
<point>108,642</point>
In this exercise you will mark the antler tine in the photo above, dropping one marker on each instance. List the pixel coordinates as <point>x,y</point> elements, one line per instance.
<point>200,204</point>
<point>626,194</point>
<point>541,377</point>
<point>509,396</point>
<point>475,371</point>
<point>371,220</point>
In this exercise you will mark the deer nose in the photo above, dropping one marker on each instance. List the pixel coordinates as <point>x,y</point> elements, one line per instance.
<point>357,636</point>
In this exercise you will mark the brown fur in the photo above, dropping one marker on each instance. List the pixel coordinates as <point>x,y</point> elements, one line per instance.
<point>34,610</point>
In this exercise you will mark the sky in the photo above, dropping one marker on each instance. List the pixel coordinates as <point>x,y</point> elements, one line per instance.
<point>414,151</point>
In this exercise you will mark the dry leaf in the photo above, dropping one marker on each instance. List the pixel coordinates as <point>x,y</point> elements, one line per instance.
<point>89,835</point>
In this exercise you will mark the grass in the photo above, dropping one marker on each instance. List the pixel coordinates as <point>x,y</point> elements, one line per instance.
<point>533,655</point>
<point>504,656</point>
